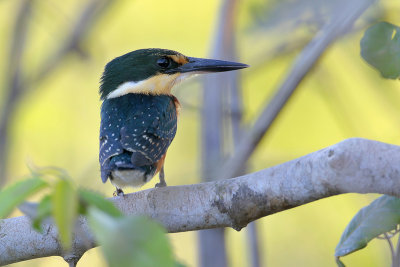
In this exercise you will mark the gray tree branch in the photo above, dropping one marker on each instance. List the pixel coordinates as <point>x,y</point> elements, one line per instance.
<point>352,166</point>
<point>340,23</point>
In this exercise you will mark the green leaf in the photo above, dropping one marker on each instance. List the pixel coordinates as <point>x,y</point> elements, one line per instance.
<point>15,194</point>
<point>65,209</point>
<point>90,198</point>
<point>380,47</point>
<point>178,264</point>
<point>43,211</point>
<point>381,216</point>
<point>131,241</point>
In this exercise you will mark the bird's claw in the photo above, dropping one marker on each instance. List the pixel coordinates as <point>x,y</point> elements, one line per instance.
<point>161,184</point>
<point>161,176</point>
<point>118,192</point>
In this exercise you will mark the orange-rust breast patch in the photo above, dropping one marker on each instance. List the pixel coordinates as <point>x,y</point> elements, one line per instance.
<point>179,58</point>
<point>177,105</point>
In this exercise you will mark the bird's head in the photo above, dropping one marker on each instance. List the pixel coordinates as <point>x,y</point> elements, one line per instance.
<point>155,71</point>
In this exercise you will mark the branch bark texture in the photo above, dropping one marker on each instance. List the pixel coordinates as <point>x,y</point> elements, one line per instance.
<point>352,166</point>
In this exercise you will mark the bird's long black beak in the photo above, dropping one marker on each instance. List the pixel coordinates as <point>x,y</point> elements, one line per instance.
<point>208,65</point>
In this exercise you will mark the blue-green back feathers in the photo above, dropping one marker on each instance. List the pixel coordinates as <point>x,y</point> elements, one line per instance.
<point>137,127</point>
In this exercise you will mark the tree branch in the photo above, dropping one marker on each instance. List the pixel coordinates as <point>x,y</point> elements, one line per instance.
<point>14,80</point>
<point>19,83</point>
<point>81,28</point>
<point>341,23</point>
<point>352,166</point>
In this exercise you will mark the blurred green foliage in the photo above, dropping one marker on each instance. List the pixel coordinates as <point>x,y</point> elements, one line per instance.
<point>131,241</point>
<point>65,210</point>
<point>380,47</point>
<point>125,240</point>
<point>89,198</point>
<point>17,193</point>
<point>44,210</point>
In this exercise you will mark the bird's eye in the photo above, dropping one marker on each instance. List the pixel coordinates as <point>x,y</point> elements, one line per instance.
<point>163,62</point>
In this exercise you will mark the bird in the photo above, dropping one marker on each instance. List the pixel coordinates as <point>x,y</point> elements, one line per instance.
<point>139,112</point>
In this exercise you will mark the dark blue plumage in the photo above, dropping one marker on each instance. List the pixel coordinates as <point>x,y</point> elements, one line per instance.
<point>135,132</point>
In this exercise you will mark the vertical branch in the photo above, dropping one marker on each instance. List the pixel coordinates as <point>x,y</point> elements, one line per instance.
<point>13,84</point>
<point>17,84</point>
<point>212,242</point>
<point>236,115</point>
<point>253,244</point>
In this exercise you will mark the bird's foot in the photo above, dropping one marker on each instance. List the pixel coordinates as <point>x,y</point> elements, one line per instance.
<point>161,176</point>
<point>118,192</point>
<point>161,184</point>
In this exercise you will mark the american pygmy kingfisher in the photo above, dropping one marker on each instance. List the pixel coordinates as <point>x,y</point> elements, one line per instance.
<point>139,113</point>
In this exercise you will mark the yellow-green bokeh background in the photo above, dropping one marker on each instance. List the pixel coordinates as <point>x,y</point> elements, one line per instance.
<point>57,123</point>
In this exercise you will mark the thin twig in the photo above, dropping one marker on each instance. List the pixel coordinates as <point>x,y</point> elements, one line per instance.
<point>265,57</point>
<point>390,234</point>
<point>392,252</point>
<point>287,47</point>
